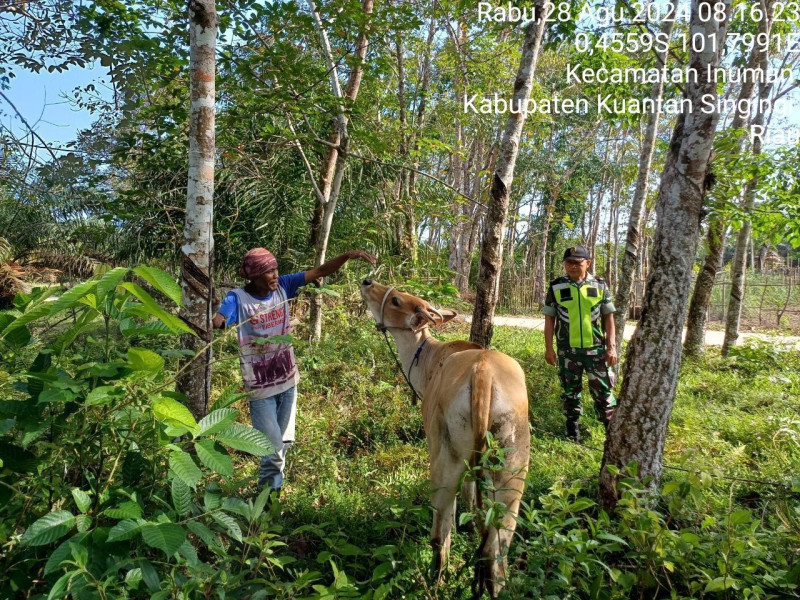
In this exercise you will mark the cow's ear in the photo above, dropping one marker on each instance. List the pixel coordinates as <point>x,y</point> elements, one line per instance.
<point>443,315</point>
<point>419,321</point>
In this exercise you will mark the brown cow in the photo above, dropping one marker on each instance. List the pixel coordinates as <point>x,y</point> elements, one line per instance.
<point>466,391</point>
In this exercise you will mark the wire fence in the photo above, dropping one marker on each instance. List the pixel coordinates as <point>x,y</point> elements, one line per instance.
<point>771,299</point>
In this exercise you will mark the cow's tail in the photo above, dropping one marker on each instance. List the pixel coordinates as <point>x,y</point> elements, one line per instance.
<point>481,406</point>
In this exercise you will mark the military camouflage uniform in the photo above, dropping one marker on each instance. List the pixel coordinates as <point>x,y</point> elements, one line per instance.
<point>578,308</point>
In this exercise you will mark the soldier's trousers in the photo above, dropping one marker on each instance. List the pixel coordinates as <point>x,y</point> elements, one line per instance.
<point>570,371</point>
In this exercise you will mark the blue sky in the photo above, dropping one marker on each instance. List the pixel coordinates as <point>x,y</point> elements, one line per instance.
<point>39,97</point>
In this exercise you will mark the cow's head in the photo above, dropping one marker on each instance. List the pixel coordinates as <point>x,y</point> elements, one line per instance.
<point>393,309</point>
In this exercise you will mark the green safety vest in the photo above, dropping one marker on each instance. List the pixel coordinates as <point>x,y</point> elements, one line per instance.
<point>579,302</point>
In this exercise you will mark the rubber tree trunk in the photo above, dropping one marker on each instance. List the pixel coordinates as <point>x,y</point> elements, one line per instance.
<point>630,259</point>
<point>715,237</point>
<point>738,267</point>
<point>638,429</point>
<point>198,241</point>
<point>491,259</point>
<point>332,166</point>
<point>703,285</point>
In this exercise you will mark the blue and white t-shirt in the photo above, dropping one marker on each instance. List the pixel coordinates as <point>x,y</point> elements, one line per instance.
<point>267,369</point>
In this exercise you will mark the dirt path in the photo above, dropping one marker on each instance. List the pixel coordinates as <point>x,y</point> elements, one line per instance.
<point>713,338</point>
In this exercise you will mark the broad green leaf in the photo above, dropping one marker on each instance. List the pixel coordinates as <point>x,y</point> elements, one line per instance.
<point>213,496</point>
<point>142,359</point>
<point>261,502</point>
<point>17,459</point>
<point>82,499</point>
<point>109,281</point>
<point>240,507</point>
<point>83,522</point>
<point>48,529</point>
<point>181,496</point>
<point>16,338</point>
<point>54,395</point>
<point>209,538</point>
<point>61,585</point>
<point>217,421</point>
<point>133,578</point>
<point>167,537</point>
<point>188,552</point>
<point>72,296</point>
<point>152,307</point>
<point>184,467</point>
<point>160,280</point>
<point>169,410</point>
<point>245,438</point>
<point>214,456</point>
<point>228,397</point>
<point>126,510</point>
<point>62,552</point>
<point>124,530</point>
<point>229,523</point>
<point>720,584</point>
<point>149,575</point>
<point>104,394</point>
<point>128,328</point>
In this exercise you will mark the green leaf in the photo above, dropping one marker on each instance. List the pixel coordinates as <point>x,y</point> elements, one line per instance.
<point>720,584</point>
<point>124,530</point>
<point>217,421</point>
<point>181,496</point>
<point>82,499</point>
<point>204,533</point>
<point>48,529</point>
<point>104,394</point>
<point>61,585</point>
<point>214,456</point>
<point>142,359</point>
<point>167,537</point>
<point>245,438</point>
<point>149,575</point>
<point>133,578</point>
<point>109,281</point>
<point>228,397</point>
<point>273,339</point>
<point>83,522</point>
<point>229,523</point>
<point>72,296</point>
<point>126,510</point>
<point>171,411</point>
<point>152,307</point>
<point>62,553</point>
<point>17,459</point>
<point>160,280</point>
<point>184,467</point>
<point>261,502</point>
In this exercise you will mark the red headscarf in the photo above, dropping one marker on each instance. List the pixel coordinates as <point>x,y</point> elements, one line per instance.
<point>257,262</point>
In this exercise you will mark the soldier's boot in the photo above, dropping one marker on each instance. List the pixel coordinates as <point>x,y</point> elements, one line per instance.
<point>573,432</point>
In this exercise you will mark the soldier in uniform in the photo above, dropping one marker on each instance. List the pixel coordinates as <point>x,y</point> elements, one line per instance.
<point>579,312</point>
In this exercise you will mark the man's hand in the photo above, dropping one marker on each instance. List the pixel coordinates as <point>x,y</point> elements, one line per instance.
<point>350,254</point>
<point>550,357</point>
<point>611,356</point>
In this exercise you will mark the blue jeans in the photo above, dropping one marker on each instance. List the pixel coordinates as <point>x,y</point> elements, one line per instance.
<point>275,418</point>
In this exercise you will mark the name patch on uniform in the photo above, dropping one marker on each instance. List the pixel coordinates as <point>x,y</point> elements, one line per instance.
<point>591,292</point>
<point>566,294</point>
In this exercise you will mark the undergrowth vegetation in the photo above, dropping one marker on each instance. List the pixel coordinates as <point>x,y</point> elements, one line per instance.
<point>110,489</point>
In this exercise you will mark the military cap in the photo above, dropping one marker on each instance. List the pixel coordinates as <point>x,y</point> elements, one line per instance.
<point>576,252</point>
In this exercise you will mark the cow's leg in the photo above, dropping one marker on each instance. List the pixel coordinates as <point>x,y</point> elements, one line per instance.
<point>508,487</point>
<point>445,473</point>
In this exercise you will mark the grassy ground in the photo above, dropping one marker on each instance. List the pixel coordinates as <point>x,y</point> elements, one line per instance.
<point>356,491</point>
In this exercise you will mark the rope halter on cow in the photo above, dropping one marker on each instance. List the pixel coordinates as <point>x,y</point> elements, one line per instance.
<point>383,328</point>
